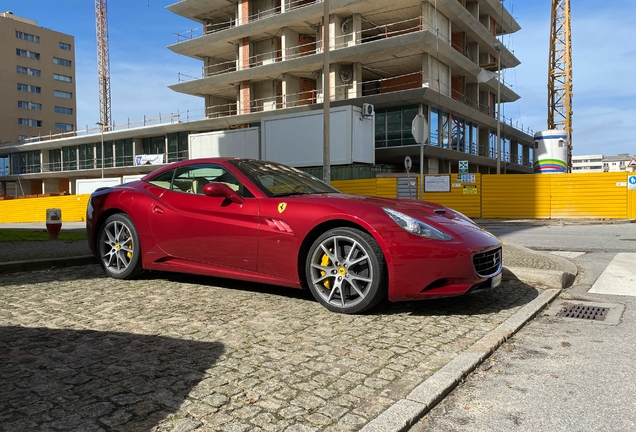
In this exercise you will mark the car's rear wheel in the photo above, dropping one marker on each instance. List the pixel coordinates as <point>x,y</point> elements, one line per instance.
<point>346,271</point>
<point>118,247</point>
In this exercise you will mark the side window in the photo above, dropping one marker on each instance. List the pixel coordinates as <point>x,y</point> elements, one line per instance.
<point>163,180</point>
<point>193,178</point>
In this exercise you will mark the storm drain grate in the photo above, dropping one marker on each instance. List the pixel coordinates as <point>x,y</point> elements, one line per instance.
<point>583,312</point>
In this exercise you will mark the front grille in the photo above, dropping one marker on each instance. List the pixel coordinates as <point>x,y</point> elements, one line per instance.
<point>487,263</point>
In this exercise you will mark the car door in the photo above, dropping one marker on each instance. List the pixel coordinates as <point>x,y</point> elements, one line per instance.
<point>213,230</point>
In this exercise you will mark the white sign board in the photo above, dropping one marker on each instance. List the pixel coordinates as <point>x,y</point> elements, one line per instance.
<point>632,163</point>
<point>434,183</point>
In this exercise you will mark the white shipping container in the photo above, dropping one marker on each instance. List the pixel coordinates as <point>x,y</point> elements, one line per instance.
<point>297,139</point>
<point>228,143</point>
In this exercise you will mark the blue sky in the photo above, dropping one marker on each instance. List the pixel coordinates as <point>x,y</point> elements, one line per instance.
<point>142,67</point>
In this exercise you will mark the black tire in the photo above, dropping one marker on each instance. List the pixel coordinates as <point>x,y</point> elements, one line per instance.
<point>346,271</point>
<point>118,247</point>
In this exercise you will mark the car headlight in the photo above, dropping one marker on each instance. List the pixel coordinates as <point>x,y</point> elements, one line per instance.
<point>415,226</point>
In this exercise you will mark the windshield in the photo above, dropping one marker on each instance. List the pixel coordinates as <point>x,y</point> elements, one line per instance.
<point>280,180</point>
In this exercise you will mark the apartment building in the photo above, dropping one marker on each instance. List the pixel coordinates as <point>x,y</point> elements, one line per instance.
<point>587,163</point>
<point>436,57</point>
<point>264,58</point>
<point>37,80</point>
<point>601,163</point>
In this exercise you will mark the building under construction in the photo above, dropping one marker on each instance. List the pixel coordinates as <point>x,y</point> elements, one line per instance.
<point>264,58</point>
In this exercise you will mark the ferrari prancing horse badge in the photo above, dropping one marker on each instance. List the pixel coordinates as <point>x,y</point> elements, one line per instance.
<point>281,207</point>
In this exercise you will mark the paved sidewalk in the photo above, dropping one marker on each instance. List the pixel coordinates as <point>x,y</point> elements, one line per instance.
<point>79,351</point>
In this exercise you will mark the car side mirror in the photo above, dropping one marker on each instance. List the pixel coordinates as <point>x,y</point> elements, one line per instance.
<point>216,189</point>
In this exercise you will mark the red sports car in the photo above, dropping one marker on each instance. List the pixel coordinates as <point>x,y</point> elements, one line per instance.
<point>266,222</point>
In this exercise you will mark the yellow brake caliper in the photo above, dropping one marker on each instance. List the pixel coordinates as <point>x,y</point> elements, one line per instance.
<point>324,262</point>
<point>130,246</point>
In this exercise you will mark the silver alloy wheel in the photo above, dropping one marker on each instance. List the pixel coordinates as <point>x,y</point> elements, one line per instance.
<point>341,271</point>
<point>116,247</point>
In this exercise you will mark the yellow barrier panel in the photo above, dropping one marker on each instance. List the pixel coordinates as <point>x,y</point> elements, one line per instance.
<point>463,197</point>
<point>514,196</point>
<point>34,209</point>
<point>506,196</point>
<point>631,200</point>
<point>590,195</point>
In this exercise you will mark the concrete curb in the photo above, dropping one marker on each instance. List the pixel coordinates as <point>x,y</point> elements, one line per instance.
<point>44,264</point>
<point>405,412</point>
<point>551,278</point>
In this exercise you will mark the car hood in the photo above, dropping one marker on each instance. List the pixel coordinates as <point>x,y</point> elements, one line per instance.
<point>429,212</point>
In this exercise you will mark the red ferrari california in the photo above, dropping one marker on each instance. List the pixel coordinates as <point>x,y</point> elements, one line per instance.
<point>266,222</point>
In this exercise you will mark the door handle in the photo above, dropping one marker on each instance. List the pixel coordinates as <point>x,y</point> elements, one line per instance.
<point>158,210</point>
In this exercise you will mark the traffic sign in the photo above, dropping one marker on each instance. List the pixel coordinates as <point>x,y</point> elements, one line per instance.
<point>632,163</point>
<point>419,127</point>
<point>408,163</point>
<point>463,166</point>
<point>631,182</point>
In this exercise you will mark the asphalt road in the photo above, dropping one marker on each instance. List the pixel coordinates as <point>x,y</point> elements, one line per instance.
<point>557,374</point>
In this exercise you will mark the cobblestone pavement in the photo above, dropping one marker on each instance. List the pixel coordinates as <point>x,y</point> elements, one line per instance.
<point>79,351</point>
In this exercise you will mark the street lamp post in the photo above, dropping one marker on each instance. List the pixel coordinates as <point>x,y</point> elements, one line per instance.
<point>326,88</point>
<point>101,128</point>
<point>498,46</point>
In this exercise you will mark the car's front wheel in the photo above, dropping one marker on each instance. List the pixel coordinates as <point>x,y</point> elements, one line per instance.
<point>118,247</point>
<point>346,271</point>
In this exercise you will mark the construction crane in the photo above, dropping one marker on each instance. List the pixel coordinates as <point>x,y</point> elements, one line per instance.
<point>560,72</point>
<point>103,64</point>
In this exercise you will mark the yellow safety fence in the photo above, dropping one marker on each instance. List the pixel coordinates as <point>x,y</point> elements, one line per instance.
<point>34,209</point>
<point>491,196</point>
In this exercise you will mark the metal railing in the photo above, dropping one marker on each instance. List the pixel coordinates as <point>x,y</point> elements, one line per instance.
<point>224,25</point>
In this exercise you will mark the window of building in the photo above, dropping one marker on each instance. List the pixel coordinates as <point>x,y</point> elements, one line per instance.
<point>23,121</point>
<point>65,46</point>
<point>154,145</point>
<point>86,156</point>
<point>63,78</point>
<point>393,126</point>
<point>69,158</point>
<point>29,88</point>
<point>55,160</point>
<point>61,62</point>
<point>177,146</point>
<point>30,105</point>
<point>36,123</point>
<point>27,54</point>
<point>63,110</point>
<point>63,126</point>
<point>23,137</point>
<point>28,71</point>
<point>27,36</point>
<point>26,162</point>
<point>124,152</point>
<point>63,94</point>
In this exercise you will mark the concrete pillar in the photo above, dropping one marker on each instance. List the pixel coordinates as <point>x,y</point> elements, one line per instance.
<point>244,54</point>
<point>426,70</point>
<point>243,12</point>
<point>484,141</point>
<point>426,15</point>
<point>289,43</point>
<point>245,98</point>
